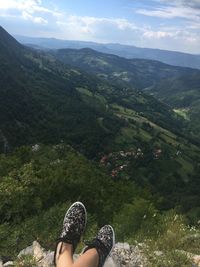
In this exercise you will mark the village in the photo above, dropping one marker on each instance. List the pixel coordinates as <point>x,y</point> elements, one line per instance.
<point>118,162</point>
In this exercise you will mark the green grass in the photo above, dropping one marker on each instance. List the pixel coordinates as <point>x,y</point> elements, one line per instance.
<point>187,167</point>
<point>126,136</point>
<point>145,135</point>
<point>168,139</point>
<point>84,91</point>
<point>183,112</point>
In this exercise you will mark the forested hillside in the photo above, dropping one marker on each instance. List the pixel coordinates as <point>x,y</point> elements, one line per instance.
<point>40,102</point>
<point>175,86</point>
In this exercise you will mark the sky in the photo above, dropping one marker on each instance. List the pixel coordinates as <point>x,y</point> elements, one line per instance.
<point>164,24</point>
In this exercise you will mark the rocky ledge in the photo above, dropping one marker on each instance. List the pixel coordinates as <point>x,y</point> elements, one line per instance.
<point>123,255</point>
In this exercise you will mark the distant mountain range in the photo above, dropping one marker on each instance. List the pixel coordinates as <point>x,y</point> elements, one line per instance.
<point>169,57</point>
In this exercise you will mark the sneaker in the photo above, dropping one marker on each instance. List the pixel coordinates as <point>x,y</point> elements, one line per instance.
<point>74,224</point>
<point>103,242</point>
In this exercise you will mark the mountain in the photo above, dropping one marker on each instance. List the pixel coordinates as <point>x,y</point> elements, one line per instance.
<point>138,73</point>
<point>183,94</point>
<point>45,101</point>
<point>134,136</point>
<point>40,102</point>
<point>176,86</point>
<point>168,57</point>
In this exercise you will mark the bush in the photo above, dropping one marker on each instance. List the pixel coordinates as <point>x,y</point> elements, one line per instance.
<point>167,247</point>
<point>136,219</point>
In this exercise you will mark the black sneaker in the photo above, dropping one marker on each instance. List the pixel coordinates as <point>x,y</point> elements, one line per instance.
<point>103,242</point>
<point>73,227</point>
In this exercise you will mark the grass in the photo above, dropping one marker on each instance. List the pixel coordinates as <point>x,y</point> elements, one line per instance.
<point>187,167</point>
<point>84,91</point>
<point>126,136</point>
<point>145,135</point>
<point>169,139</point>
<point>26,261</point>
<point>183,112</point>
<point>173,243</point>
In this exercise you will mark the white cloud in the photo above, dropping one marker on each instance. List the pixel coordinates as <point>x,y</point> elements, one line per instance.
<point>172,39</point>
<point>184,35</point>
<point>31,10</point>
<point>98,29</point>
<point>184,9</point>
<point>38,20</point>
<point>171,12</point>
<point>157,34</point>
<point>190,3</point>
<point>123,31</point>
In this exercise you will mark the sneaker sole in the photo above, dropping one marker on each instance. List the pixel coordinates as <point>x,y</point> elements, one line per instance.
<point>113,236</point>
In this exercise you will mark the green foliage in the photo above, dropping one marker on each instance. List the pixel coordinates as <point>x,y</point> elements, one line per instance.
<point>172,259</point>
<point>135,218</point>
<point>40,102</point>
<point>36,191</point>
<point>53,175</point>
<point>35,196</point>
<point>25,261</point>
<point>169,246</point>
<point>176,86</point>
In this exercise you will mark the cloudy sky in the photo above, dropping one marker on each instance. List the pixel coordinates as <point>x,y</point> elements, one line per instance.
<point>164,24</point>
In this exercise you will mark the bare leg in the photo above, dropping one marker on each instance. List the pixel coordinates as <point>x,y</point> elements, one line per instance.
<point>89,259</point>
<point>65,258</point>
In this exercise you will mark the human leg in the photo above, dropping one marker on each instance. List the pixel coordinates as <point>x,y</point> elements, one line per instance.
<point>96,252</point>
<point>73,227</point>
<point>64,256</point>
<point>89,259</point>
<point>99,248</point>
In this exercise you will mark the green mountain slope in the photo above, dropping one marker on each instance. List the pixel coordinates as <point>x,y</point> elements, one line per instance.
<point>175,86</point>
<point>183,94</point>
<point>40,102</point>
<point>46,101</point>
<point>138,73</point>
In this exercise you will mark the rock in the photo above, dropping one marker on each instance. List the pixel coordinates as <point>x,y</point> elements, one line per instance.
<point>196,260</point>
<point>122,246</point>
<point>9,263</point>
<point>47,260</point>
<point>109,263</point>
<point>35,250</point>
<point>1,263</point>
<point>158,253</point>
<point>123,255</point>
